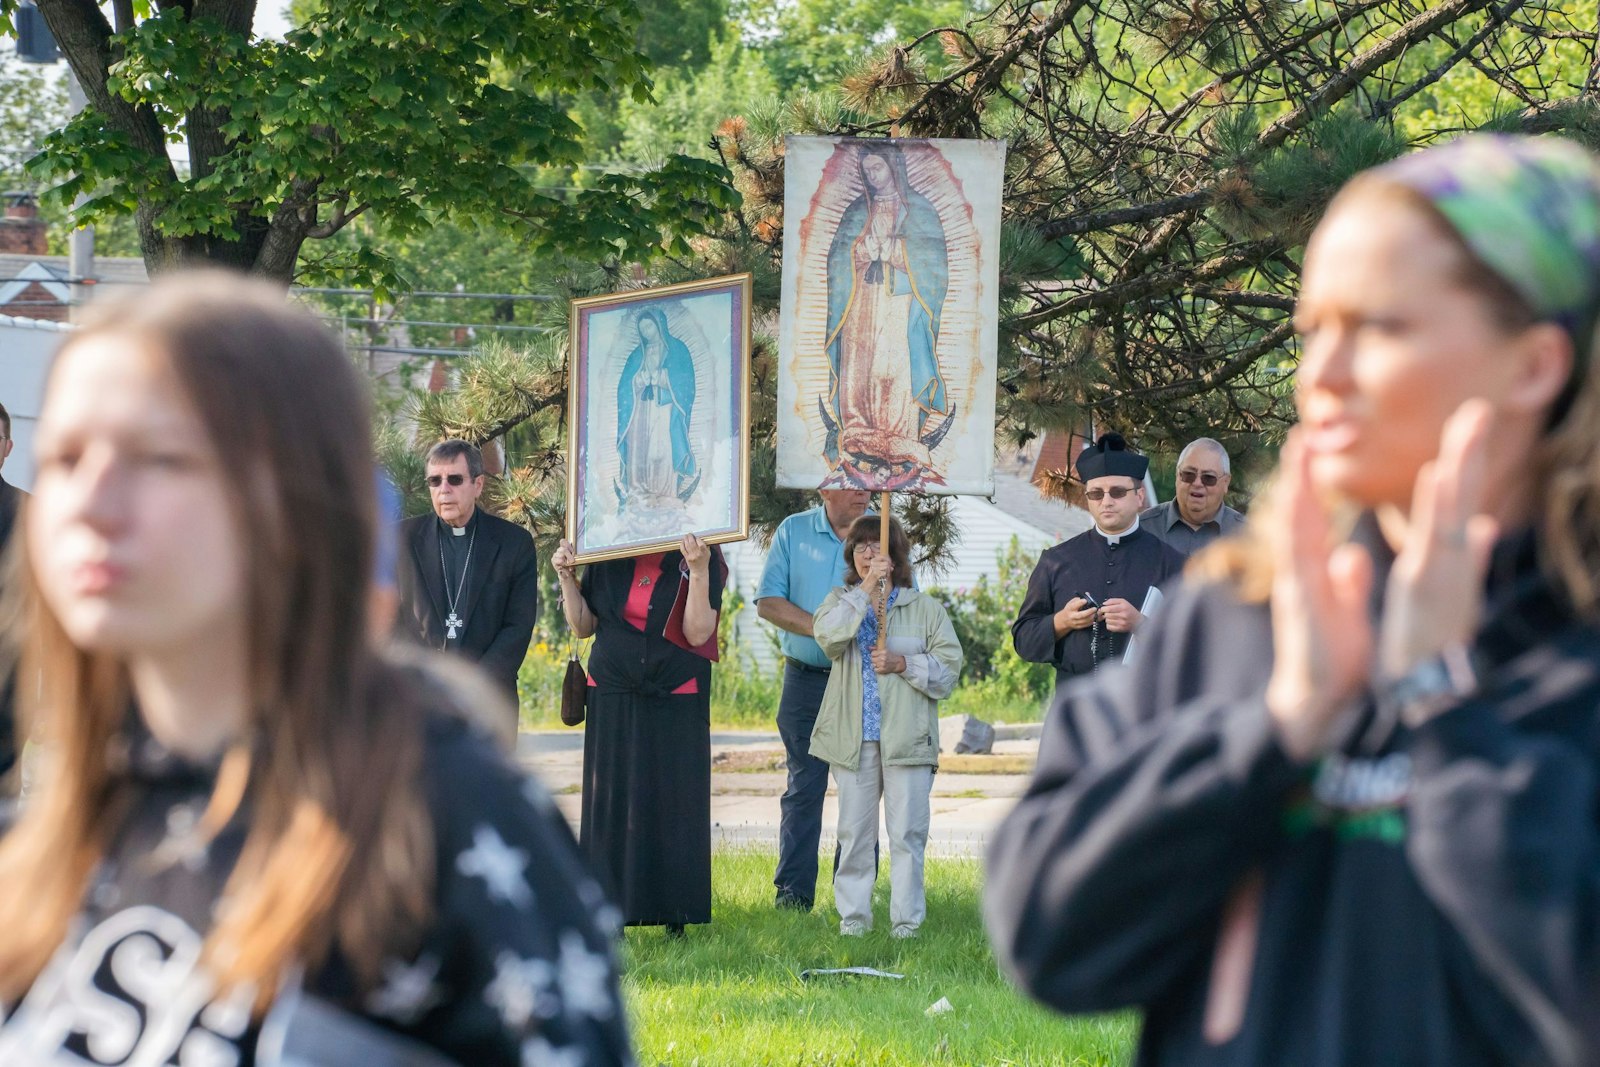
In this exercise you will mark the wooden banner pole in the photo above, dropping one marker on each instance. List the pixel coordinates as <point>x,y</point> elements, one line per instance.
<point>881,608</point>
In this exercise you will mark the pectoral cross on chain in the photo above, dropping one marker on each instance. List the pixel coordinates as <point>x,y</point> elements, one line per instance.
<point>453,621</point>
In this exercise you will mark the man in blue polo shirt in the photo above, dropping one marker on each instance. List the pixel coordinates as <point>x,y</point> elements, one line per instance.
<point>805,562</point>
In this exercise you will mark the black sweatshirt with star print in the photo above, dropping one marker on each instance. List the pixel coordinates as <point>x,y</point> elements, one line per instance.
<point>516,966</point>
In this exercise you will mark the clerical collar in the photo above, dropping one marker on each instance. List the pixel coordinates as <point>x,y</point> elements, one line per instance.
<point>1115,538</point>
<point>464,529</point>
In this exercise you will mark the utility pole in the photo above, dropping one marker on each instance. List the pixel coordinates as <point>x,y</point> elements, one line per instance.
<point>80,242</point>
<point>36,45</point>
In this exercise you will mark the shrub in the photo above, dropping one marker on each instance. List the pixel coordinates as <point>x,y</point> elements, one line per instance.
<point>982,617</point>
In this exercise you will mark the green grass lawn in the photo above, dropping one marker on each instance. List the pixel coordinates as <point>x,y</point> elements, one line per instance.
<point>730,993</point>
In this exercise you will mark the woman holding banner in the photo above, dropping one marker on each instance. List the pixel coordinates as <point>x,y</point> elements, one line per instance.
<point>646,823</point>
<point>878,727</point>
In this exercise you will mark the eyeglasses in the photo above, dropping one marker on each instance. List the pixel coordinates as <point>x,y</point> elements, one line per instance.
<point>454,479</point>
<point>1117,492</point>
<point>1207,479</point>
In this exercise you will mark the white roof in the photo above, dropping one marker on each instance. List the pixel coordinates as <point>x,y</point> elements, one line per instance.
<point>18,322</point>
<point>108,270</point>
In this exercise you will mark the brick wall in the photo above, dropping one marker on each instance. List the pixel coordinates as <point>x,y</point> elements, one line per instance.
<point>22,231</point>
<point>35,302</point>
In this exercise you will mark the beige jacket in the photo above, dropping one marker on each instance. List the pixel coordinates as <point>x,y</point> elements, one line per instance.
<point>920,631</point>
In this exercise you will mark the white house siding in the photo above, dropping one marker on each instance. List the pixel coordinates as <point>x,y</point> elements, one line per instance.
<point>750,634</point>
<point>26,348</point>
<point>985,532</point>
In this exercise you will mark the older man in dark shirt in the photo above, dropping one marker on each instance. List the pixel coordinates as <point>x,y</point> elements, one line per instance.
<point>1196,516</point>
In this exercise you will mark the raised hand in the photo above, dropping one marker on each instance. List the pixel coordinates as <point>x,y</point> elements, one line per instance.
<point>696,553</point>
<point>1434,598</point>
<point>564,558</point>
<point>1321,634</point>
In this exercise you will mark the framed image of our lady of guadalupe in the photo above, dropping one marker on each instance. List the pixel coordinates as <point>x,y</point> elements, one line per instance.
<point>658,417</point>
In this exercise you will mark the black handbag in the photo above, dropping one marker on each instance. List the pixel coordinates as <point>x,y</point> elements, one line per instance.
<point>574,690</point>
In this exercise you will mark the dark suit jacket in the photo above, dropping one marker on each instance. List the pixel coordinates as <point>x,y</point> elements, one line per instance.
<point>500,601</point>
<point>11,499</point>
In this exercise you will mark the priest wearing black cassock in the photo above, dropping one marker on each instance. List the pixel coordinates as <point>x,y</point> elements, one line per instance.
<point>469,582</point>
<point>1084,597</point>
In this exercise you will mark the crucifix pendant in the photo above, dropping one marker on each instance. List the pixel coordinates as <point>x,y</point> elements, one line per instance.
<point>452,622</point>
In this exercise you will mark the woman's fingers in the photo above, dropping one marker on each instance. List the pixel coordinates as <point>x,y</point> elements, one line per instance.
<point>561,559</point>
<point>1303,543</point>
<point>1321,636</point>
<point>1350,578</point>
<point>1435,589</point>
<point>1450,490</point>
<point>1482,532</point>
<point>1463,451</point>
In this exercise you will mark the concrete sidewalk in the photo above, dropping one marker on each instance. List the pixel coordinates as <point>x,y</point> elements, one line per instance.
<point>744,802</point>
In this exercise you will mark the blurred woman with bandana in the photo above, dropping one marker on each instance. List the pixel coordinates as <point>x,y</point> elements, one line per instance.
<point>1344,808</point>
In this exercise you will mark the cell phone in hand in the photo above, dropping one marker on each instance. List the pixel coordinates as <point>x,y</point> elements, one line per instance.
<point>1093,603</point>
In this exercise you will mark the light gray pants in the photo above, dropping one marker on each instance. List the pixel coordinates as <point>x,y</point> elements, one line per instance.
<point>905,792</point>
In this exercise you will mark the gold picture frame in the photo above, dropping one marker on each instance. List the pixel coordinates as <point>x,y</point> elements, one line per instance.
<point>658,418</point>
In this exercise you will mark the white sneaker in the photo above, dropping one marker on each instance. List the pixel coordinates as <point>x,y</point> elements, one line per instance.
<point>853,928</point>
<point>903,932</point>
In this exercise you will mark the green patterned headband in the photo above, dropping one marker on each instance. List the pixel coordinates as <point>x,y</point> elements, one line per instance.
<point>1529,208</point>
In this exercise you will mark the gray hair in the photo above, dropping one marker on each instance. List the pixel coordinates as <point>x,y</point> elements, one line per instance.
<point>446,451</point>
<point>1205,442</point>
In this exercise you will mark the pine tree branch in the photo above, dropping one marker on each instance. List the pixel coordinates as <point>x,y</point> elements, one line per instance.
<point>1149,285</point>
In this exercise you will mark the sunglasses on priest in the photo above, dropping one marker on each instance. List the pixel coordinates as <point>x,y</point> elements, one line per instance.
<point>434,480</point>
<point>1116,492</point>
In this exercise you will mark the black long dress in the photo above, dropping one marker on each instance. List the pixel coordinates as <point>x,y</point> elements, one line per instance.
<point>646,823</point>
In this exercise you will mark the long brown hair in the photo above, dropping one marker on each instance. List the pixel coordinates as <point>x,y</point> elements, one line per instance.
<point>1566,460</point>
<point>338,849</point>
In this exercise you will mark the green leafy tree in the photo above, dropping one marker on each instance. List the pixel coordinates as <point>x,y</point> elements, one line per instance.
<point>982,617</point>
<point>816,44</point>
<point>32,106</point>
<point>692,102</point>
<point>678,33</point>
<point>409,111</point>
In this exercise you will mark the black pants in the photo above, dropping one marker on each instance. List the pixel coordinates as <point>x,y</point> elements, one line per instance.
<point>800,821</point>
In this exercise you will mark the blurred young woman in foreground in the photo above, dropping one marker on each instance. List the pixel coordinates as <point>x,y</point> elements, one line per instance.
<point>244,808</point>
<point>1344,809</point>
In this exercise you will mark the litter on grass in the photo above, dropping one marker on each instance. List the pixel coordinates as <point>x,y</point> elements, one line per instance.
<point>868,972</point>
<point>941,1006</point>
